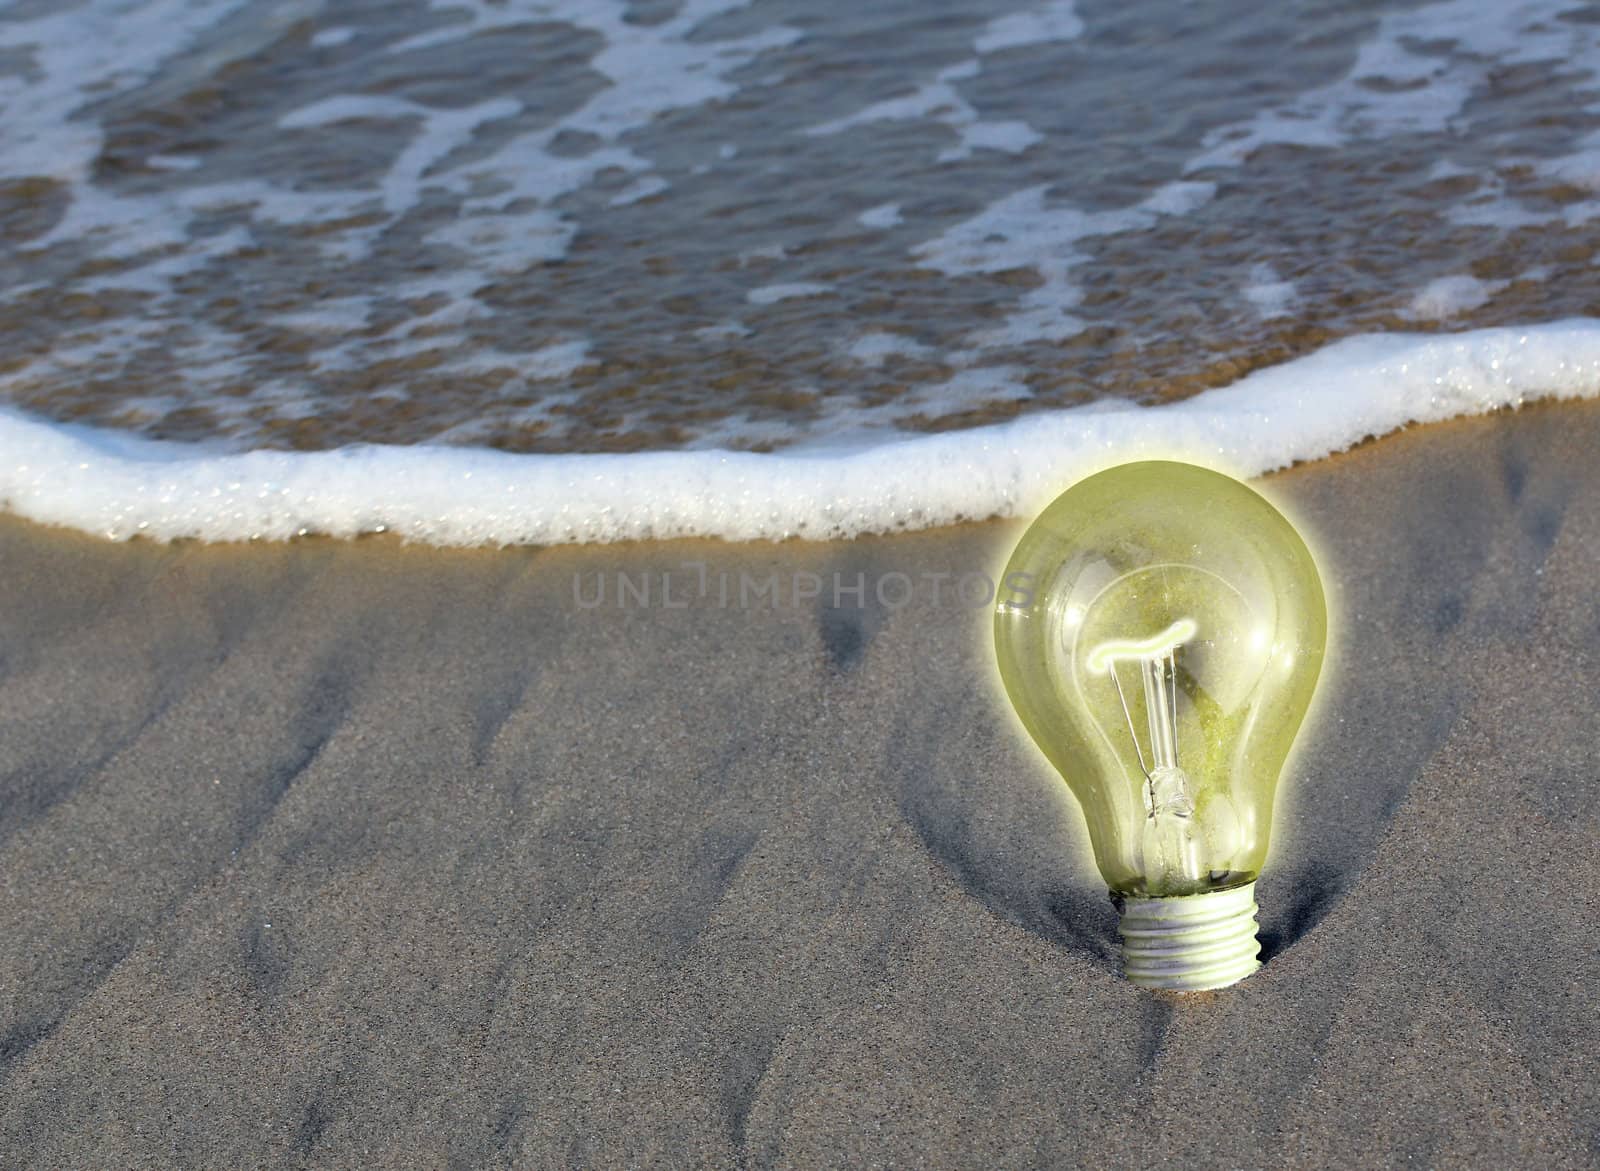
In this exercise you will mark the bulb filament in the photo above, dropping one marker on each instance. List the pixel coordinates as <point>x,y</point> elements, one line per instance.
<point>1170,837</point>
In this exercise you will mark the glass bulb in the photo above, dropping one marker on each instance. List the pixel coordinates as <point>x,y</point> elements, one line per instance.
<point>1160,636</point>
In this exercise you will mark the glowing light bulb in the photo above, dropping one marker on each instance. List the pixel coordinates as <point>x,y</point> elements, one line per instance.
<point>1162,651</point>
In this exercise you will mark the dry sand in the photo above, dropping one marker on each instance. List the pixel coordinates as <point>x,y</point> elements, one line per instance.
<point>353,855</point>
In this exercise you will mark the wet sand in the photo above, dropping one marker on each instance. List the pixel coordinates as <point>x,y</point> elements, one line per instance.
<point>354,854</point>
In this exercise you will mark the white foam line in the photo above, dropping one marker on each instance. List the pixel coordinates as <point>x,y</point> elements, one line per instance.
<point>120,485</point>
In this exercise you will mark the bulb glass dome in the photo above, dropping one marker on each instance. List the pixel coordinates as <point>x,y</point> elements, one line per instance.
<point>1163,655</point>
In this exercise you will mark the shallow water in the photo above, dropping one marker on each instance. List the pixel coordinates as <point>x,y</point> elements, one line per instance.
<point>574,226</point>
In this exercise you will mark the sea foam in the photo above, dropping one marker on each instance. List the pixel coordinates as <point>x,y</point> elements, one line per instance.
<point>119,485</point>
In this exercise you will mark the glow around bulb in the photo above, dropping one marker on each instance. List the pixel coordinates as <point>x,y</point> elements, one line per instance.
<point>1169,646</point>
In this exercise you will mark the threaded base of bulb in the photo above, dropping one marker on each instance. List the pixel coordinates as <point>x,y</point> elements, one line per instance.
<point>1188,943</point>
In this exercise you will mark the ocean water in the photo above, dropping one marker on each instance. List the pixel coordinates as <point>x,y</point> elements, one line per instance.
<point>483,271</point>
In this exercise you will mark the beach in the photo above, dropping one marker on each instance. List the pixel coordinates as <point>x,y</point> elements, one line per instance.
<point>502,506</point>
<point>362,853</point>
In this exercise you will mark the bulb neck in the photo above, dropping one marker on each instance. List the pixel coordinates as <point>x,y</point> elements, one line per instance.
<point>1187,943</point>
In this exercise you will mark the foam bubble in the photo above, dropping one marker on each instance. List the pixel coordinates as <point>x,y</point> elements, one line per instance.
<point>771,294</point>
<point>1053,21</point>
<point>159,162</point>
<point>329,38</point>
<point>553,361</point>
<point>332,315</point>
<point>885,215</point>
<point>640,190</point>
<point>722,330</point>
<point>120,486</point>
<point>1450,295</point>
<point>1271,296</point>
<point>875,348</point>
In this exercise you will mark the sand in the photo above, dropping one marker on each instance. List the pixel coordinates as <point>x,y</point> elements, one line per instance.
<point>355,854</point>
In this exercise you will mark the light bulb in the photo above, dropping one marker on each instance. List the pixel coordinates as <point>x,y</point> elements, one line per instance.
<point>1160,635</point>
